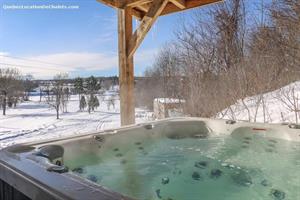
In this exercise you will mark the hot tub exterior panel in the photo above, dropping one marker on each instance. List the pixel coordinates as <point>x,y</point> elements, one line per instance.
<point>38,184</point>
<point>7,192</point>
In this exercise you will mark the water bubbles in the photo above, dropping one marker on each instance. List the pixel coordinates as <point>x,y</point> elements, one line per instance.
<point>184,168</point>
<point>224,164</point>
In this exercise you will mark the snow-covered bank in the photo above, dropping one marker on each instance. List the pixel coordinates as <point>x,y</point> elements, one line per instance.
<point>282,105</point>
<point>33,121</point>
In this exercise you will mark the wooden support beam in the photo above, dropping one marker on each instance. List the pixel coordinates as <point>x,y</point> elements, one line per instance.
<point>111,3</point>
<point>137,13</point>
<point>148,20</point>
<point>171,8</point>
<point>179,3</point>
<point>144,7</point>
<point>133,3</point>
<point>126,70</point>
<point>128,42</point>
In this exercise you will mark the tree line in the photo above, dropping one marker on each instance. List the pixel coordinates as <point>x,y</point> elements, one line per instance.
<point>59,92</point>
<point>14,88</point>
<point>88,91</point>
<point>225,53</point>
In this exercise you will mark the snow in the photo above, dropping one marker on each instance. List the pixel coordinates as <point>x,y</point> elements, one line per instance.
<point>271,107</point>
<point>169,100</point>
<point>34,120</point>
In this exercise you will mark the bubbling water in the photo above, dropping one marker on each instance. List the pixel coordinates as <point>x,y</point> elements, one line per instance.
<point>240,166</point>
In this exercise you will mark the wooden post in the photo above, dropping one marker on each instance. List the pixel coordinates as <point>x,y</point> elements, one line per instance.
<point>128,43</point>
<point>147,11</point>
<point>126,72</point>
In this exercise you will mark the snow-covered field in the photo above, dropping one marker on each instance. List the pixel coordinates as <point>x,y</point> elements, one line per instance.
<point>33,121</point>
<point>278,106</point>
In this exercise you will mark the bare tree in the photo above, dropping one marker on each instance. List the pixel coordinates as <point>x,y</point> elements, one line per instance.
<point>55,99</point>
<point>10,87</point>
<point>29,85</point>
<point>65,99</point>
<point>111,102</point>
<point>290,100</point>
<point>217,61</point>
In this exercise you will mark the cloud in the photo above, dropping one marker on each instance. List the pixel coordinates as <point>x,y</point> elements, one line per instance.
<point>4,53</point>
<point>46,66</point>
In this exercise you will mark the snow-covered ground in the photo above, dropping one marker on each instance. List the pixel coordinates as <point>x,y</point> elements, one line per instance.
<point>277,106</point>
<point>33,121</point>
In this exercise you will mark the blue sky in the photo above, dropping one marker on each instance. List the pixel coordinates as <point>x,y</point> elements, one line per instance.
<point>81,42</point>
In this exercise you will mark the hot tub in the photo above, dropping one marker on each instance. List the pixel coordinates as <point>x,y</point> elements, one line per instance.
<point>173,159</point>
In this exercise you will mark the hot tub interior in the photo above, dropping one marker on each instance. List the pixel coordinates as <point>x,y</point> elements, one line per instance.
<point>188,160</point>
<point>178,160</point>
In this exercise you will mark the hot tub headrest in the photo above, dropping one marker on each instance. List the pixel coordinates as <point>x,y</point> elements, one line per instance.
<point>50,151</point>
<point>192,129</point>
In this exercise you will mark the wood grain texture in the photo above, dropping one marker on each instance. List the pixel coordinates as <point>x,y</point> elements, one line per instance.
<point>148,20</point>
<point>126,70</point>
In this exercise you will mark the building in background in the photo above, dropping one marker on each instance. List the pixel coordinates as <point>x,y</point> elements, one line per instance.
<point>168,107</point>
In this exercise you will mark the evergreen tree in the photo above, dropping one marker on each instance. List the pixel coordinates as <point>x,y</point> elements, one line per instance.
<point>82,105</point>
<point>92,87</point>
<point>79,89</point>
<point>96,103</point>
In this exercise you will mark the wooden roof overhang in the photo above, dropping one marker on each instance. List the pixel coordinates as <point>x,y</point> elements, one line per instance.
<point>139,8</point>
<point>147,11</point>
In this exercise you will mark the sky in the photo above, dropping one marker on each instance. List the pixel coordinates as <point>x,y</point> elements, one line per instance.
<point>81,41</point>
